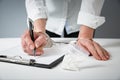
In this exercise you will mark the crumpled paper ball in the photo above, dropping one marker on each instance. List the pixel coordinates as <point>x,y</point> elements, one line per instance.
<point>74,57</point>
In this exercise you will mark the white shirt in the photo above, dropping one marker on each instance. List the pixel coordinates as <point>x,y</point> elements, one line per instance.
<point>75,12</point>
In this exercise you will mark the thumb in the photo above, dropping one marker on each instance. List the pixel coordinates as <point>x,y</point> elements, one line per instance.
<point>39,42</point>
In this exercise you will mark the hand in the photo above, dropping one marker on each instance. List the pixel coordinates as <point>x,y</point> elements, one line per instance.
<point>28,45</point>
<point>94,49</point>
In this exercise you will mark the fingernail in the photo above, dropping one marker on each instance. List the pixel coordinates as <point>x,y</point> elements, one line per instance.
<point>104,58</point>
<point>31,47</point>
<point>107,57</point>
<point>39,53</point>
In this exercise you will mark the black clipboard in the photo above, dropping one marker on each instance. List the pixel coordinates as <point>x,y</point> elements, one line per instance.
<point>51,57</point>
<point>30,62</point>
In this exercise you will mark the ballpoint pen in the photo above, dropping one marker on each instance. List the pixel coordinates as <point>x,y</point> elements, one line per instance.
<point>31,27</point>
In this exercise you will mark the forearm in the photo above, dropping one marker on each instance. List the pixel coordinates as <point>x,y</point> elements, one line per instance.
<point>86,32</point>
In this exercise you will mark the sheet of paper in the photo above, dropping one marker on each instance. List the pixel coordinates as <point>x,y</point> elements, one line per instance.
<point>50,54</point>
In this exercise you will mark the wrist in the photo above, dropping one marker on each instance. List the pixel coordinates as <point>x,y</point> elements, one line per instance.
<point>39,25</point>
<point>86,32</point>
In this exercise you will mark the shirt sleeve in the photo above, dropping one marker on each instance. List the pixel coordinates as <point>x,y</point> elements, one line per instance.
<point>36,9</point>
<point>89,13</point>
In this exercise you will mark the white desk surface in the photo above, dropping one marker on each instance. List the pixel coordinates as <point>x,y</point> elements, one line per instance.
<point>108,70</point>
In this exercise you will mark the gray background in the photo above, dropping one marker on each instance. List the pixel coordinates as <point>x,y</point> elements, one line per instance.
<point>13,19</point>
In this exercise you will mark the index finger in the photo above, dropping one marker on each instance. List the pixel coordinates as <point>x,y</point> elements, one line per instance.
<point>28,40</point>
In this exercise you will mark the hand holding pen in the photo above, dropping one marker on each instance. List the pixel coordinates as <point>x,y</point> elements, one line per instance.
<point>33,42</point>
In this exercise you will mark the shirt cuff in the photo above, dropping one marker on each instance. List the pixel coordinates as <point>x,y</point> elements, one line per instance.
<point>37,14</point>
<point>90,20</point>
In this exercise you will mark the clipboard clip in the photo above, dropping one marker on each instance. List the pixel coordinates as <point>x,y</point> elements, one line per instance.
<point>17,60</point>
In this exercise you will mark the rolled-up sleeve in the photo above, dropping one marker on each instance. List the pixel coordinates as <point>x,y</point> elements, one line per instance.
<point>36,9</point>
<point>89,13</point>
